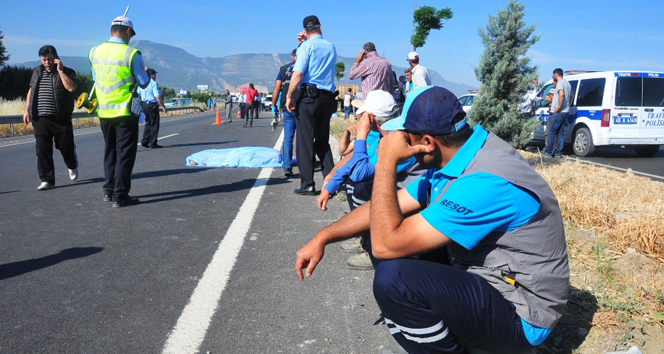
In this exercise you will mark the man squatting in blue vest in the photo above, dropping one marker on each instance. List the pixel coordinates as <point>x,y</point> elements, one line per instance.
<point>507,280</point>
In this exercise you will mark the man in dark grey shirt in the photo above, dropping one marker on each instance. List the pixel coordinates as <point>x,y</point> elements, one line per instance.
<point>49,105</point>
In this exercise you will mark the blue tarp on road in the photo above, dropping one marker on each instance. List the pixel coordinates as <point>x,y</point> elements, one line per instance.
<point>246,157</point>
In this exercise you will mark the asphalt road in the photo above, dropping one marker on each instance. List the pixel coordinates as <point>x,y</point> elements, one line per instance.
<point>621,159</point>
<point>77,276</point>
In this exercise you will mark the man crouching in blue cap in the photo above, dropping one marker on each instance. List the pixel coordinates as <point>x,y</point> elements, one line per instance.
<point>507,284</point>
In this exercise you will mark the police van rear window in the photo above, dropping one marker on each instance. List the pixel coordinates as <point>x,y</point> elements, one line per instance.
<point>653,92</point>
<point>628,91</point>
<point>591,92</point>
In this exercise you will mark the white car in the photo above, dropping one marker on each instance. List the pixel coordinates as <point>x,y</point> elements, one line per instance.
<point>611,108</point>
<point>467,101</point>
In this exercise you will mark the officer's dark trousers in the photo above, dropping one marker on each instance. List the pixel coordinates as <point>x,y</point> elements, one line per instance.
<point>256,107</point>
<point>48,130</point>
<point>434,308</point>
<point>313,135</point>
<point>151,129</point>
<point>121,140</point>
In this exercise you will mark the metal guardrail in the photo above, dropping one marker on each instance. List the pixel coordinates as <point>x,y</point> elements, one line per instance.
<point>16,119</point>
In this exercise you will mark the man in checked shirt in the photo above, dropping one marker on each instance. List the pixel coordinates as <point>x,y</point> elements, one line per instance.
<point>375,71</point>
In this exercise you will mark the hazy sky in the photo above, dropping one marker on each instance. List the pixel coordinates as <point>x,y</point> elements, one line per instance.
<point>590,35</point>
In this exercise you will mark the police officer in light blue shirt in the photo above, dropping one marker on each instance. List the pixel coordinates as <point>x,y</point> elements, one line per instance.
<point>151,99</point>
<point>311,97</point>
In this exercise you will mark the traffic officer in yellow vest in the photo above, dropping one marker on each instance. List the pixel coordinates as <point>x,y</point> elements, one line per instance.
<point>117,70</point>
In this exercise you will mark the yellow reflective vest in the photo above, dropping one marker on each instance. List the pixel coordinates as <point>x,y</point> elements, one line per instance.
<point>114,83</point>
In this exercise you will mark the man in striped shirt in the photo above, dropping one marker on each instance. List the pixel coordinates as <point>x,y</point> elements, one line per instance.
<point>375,71</point>
<point>49,105</point>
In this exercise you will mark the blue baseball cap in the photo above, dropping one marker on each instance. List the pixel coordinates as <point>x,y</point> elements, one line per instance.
<point>429,110</point>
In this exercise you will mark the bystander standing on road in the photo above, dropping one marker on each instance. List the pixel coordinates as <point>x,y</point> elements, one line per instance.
<point>485,206</point>
<point>558,117</point>
<point>49,105</point>
<point>408,86</point>
<point>249,97</point>
<point>421,76</point>
<point>243,106</point>
<point>118,107</point>
<point>374,70</point>
<point>313,102</point>
<point>228,106</point>
<point>256,105</point>
<point>358,96</point>
<point>281,90</point>
<point>150,101</point>
<point>348,96</point>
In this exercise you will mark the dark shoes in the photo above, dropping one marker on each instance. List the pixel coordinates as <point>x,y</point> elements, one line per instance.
<point>153,146</point>
<point>288,172</point>
<point>125,202</point>
<point>108,197</point>
<point>311,190</point>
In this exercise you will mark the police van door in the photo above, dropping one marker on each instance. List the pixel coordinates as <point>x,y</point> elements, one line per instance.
<point>626,113</point>
<point>652,120</point>
<point>571,117</point>
<point>542,111</point>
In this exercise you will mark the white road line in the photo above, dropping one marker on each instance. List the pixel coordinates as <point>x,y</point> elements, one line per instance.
<point>168,136</point>
<point>189,332</point>
<point>164,137</point>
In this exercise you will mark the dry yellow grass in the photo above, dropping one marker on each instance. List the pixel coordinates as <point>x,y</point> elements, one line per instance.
<point>628,209</point>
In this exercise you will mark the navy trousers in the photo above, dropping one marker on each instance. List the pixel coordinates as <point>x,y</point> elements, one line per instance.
<point>121,140</point>
<point>434,308</point>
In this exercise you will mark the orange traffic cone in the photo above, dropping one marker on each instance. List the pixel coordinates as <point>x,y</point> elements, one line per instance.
<point>218,121</point>
<point>238,113</point>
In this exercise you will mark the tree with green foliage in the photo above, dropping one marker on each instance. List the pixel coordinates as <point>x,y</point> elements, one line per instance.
<point>425,19</point>
<point>339,69</point>
<point>506,74</point>
<point>3,52</point>
<point>166,92</point>
<point>84,83</point>
<point>14,82</point>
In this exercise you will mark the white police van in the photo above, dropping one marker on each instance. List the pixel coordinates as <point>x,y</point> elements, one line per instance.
<point>611,108</point>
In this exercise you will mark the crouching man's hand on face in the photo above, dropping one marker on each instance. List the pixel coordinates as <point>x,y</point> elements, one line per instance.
<point>395,149</point>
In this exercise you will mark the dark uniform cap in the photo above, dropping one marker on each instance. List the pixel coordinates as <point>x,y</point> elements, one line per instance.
<point>310,21</point>
<point>151,72</point>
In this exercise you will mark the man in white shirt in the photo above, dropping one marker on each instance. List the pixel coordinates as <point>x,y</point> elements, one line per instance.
<point>420,74</point>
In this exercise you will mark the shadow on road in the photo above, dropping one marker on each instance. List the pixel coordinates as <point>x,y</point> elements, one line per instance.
<point>178,171</point>
<point>222,188</point>
<point>8,192</point>
<point>14,269</point>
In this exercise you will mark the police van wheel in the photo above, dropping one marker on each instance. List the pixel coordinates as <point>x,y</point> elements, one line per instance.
<point>583,142</point>
<point>646,150</point>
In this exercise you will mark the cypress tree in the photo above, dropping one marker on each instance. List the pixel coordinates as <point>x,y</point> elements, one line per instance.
<point>506,74</point>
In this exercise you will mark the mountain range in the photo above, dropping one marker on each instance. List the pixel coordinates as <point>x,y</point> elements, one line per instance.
<point>179,69</point>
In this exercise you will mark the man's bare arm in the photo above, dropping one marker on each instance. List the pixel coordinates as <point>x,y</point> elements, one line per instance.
<point>26,115</point>
<point>67,82</point>
<point>392,234</point>
<point>275,93</point>
<point>294,83</point>
<point>561,95</point>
